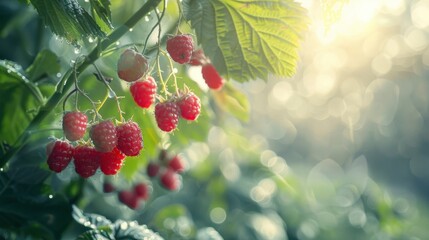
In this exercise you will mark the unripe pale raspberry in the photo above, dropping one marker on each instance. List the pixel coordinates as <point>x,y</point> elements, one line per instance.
<point>104,136</point>
<point>170,180</point>
<point>176,164</point>
<point>74,125</point>
<point>144,92</point>
<point>141,190</point>
<point>129,199</point>
<point>132,66</point>
<point>180,48</point>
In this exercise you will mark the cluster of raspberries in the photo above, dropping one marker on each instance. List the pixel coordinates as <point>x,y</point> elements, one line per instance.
<point>110,145</point>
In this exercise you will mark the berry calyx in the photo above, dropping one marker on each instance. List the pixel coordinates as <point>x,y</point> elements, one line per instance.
<point>130,140</point>
<point>111,162</point>
<point>176,164</point>
<point>129,199</point>
<point>212,77</point>
<point>167,116</point>
<point>74,125</point>
<point>60,154</point>
<point>190,106</point>
<point>86,161</point>
<point>103,136</point>
<point>132,66</point>
<point>108,187</point>
<point>144,92</point>
<point>197,58</point>
<point>180,48</point>
<point>141,190</point>
<point>170,180</point>
<point>152,169</point>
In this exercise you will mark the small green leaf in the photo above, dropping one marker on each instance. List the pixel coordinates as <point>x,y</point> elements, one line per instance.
<point>20,98</point>
<point>231,100</point>
<point>46,63</point>
<point>67,19</point>
<point>133,231</point>
<point>93,221</point>
<point>101,13</point>
<point>249,39</point>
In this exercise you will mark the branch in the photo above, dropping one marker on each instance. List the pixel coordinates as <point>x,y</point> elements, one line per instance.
<point>61,92</point>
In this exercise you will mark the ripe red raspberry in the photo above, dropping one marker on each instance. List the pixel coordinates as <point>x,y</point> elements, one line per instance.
<point>74,125</point>
<point>103,136</point>
<point>141,190</point>
<point>130,140</point>
<point>111,162</point>
<point>59,155</point>
<point>132,65</point>
<point>190,106</point>
<point>170,180</point>
<point>129,199</point>
<point>167,116</point>
<point>108,187</point>
<point>152,169</point>
<point>144,92</point>
<point>180,48</point>
<point>176,164</point>
<point>212,77</point>
<point>86,160</point>
<point>197,58</point>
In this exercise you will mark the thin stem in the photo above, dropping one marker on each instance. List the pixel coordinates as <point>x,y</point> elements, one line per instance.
<point>110,91</point>
<point>180,16</point>
<point>68,81</point>
<point>172,73</point>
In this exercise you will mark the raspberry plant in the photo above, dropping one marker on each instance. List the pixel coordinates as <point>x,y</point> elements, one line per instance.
<point>86,120</point>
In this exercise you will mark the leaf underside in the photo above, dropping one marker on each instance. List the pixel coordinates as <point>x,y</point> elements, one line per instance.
<point>249,39</point>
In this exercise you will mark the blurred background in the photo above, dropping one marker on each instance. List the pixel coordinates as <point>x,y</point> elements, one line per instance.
<point>339,151</point>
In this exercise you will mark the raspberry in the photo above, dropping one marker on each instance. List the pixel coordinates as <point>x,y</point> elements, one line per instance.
<point>144,92</point>
<point>212,77</point>
<point>141,190</point>
<point>167,116</point>
<point>103,136</point>
<point>180,48</point>
<point>128,198</point>
<point>59,155</point>
<point>74,125</point>
<point>130,140</point>
<point>197,58</point>
<point>152,169</point>
<point>111,162</point>
<point>190,106</point>
<point>86,161</point>
<point>170,180</point>
<point>176,164</point>
<point>108,187</point>
<point>132,65</point>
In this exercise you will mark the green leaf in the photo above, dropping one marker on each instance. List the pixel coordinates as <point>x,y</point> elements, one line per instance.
<point>20,99</point>
<point>249,39</point>
<point>231,100</point>
<point>67,19</point>
<point>133,231</point>
<point>46,63</point>
<point>93,221</point>
<point>101,13</point>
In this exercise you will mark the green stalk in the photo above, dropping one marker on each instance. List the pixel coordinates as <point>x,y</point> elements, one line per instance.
<point>61,92</point>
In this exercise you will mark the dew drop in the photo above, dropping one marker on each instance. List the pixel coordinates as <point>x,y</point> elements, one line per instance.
<point>59,75</point>
<point>77,50</point>
<point>91,40</point>
<point>111,94</point>
<point>50,196</point>
<point>117,43</point>
<point>1,169</point>
<point>131,29</point>
<point>175,70</point>
<point>146,18</point>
